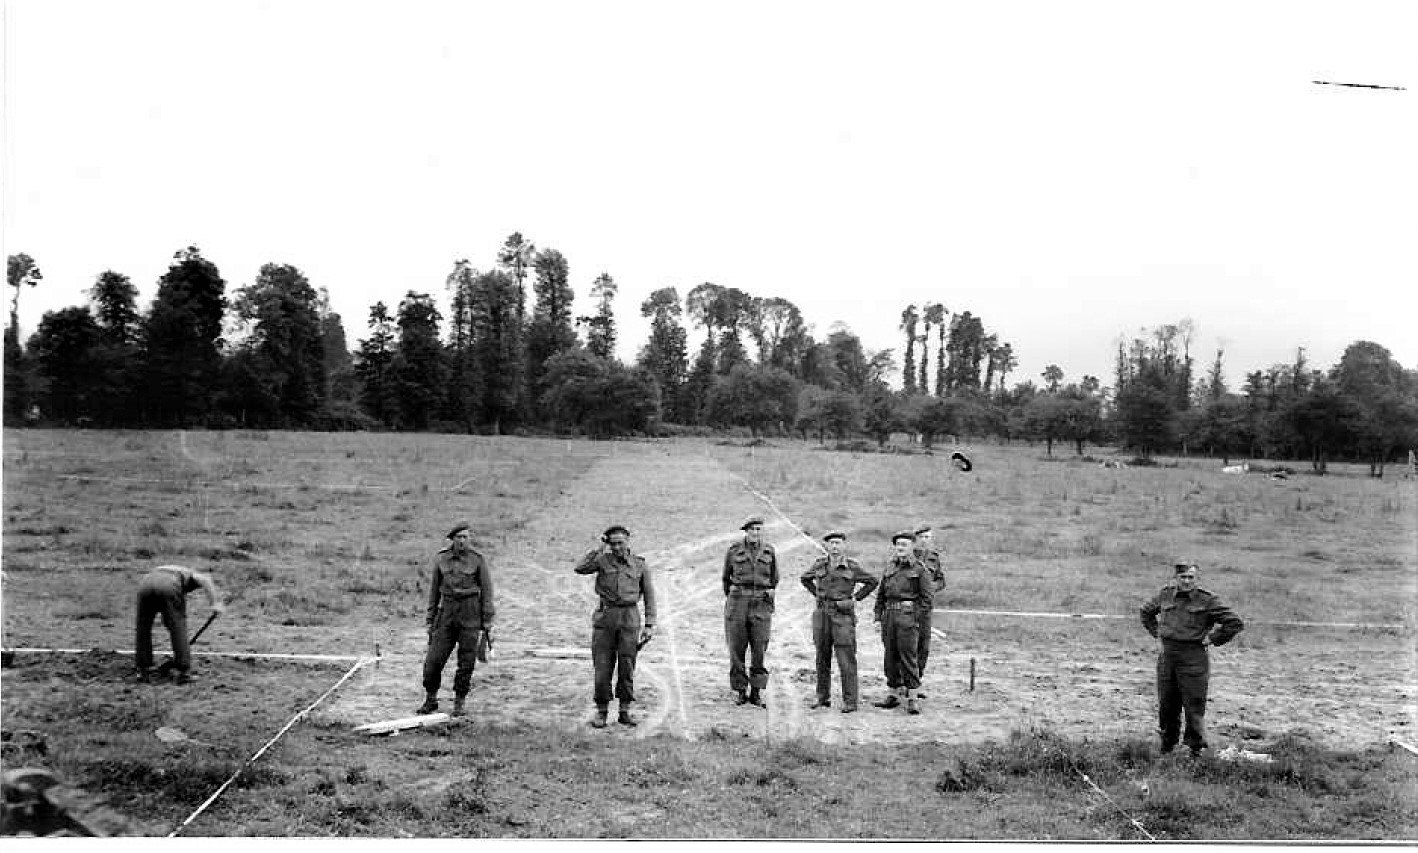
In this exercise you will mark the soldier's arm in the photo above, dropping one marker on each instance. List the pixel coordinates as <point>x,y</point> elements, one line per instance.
<point>489,610</point>
<point>865,579</point>
<point>1148,614</point>
<point>209,587</point>
<point>1227,623</point>
<point>728,569</point>
<point>587,565</point>
<point>647,591</point>
<point>880,605</point>
<point>773,569</point>
<point>433,594</point>
<point>809,580</point>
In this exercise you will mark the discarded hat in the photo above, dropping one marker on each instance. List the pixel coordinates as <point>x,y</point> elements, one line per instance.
<point>922,529</point>
<point>614,528</point>
<point>902,534</point>
<point>752,520</point>
<point>961,461</point>
<point>835,534</point>
<point>458,529</point>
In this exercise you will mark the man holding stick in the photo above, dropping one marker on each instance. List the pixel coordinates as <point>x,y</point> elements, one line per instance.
<point>163,592</point>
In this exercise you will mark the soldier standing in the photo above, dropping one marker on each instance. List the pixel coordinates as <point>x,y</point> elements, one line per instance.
<point>837,582</point>
<point>460,608</point>
<point>622,580</point>
<point>163,592</point>
<point>1182,616</point>
<point>925,606</point>
<point>750,577</point>
<point>904,582</point>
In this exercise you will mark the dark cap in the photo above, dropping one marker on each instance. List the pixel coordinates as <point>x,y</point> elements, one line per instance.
<point>752,520</point>
<point>925,528</point>
<point>902,534</point>
<point>834,534</point>
<point>1182,565</point>
<point>458,528</point>
<point>614,528</point>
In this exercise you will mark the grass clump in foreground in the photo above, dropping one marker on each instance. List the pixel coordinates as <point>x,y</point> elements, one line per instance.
<point>487,780</point>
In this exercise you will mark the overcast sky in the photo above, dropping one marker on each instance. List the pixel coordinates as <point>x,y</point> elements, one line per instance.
<point>1070,172</point>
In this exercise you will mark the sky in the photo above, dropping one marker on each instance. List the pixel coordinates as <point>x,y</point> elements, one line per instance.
<point>1069,172</point>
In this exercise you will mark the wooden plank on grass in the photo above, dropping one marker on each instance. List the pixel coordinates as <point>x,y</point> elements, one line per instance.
<point>386,727</point>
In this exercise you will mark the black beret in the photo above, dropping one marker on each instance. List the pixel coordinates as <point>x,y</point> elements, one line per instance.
<point>457,529</point>
<point>902,534</point>
<point>752,520</point>
<point>615,528</point>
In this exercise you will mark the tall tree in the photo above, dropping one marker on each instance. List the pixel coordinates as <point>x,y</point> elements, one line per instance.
<point>757,397</point>
<point>463,394</point>
<point>1005,362</point>
<point>1052,376</point>
<point>853,369</point>
<point>339,366</point>
<point>550,331</point>
<point>115,307</point>
<point>373,365</point>
<point>1386,397</point>
<point>285,342</point>
<point>417,370</point>
<point>65,348</point>
<point>497,342</point>
<point>183,340</point>
<point>665,355</point>
<point>20,271</point>
<point>932,314</point>
<point>909,319</point>
<point>517,256</point>
<point>600,334</point>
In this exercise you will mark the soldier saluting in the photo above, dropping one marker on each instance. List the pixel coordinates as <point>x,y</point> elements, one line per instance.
<point>750,576</point>
<point>622,581</point>
<point>838,582</point>
<point>1182,616</point>
<point>459,610</point>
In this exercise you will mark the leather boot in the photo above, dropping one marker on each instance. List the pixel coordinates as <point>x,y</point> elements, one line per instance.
<point>599,721</point>
<point>624,717</point>
<point>756,698</point>
<point>911,707</point>
<point>429,705</point>
<point>458,700</point>
<point>740,698</point>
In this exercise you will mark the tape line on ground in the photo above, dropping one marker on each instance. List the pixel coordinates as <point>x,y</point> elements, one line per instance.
<point>256,755</point>
<point>205,654</point>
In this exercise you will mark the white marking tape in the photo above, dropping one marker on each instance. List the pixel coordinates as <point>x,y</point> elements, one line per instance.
<point>1050,615</point>
<point>293,720</point>
<point>205,654</point>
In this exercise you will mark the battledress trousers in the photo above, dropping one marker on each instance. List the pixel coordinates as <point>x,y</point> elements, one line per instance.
<point>750,575</point>
<point>460,606</point>
<point>163,592</point>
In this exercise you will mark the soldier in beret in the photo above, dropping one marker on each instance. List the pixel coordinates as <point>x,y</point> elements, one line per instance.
<point>622,581</point>
<point>750,577</point>
<point>928,556</point>
<point>838,582</point>
<point>459,610</point>
<point>1182,616</point>
<point>903,583</point>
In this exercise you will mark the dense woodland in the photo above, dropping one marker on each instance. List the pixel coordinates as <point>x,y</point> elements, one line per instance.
<point>273,354</point>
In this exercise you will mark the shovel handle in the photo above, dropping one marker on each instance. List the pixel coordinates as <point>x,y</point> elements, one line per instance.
<point>210,619</point>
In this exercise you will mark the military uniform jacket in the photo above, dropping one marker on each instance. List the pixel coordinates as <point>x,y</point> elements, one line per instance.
<point>620,582</point>
<point>905,579</point>
<point>750,569</point>
<point>461,588</point>
<point>1188,618</point>
<point>830,580</point>
<point>930,558</point>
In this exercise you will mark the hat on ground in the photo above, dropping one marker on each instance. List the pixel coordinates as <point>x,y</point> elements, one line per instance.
<point>834,534</point>
<point>902,534</point>
<point>458,528</point>
<point>925,528</point>
<point>614,528</point>
<point>752,520</point>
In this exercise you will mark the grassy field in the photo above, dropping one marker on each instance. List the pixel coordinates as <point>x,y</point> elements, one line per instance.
<point>322,543</point>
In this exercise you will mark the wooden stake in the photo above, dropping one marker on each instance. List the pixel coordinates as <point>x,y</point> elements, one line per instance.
<point>972,675</point>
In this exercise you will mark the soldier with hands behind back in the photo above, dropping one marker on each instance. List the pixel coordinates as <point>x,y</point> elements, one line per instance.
<point>460,608</point>
<point>838,582</point>
<point>750,577</point>
<point>1183,616</point>
<point>622,582</point>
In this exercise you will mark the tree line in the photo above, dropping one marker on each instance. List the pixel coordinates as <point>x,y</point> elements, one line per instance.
<point>273,354</point>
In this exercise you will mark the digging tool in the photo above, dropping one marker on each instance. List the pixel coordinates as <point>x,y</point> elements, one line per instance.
<point>168,664</point>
